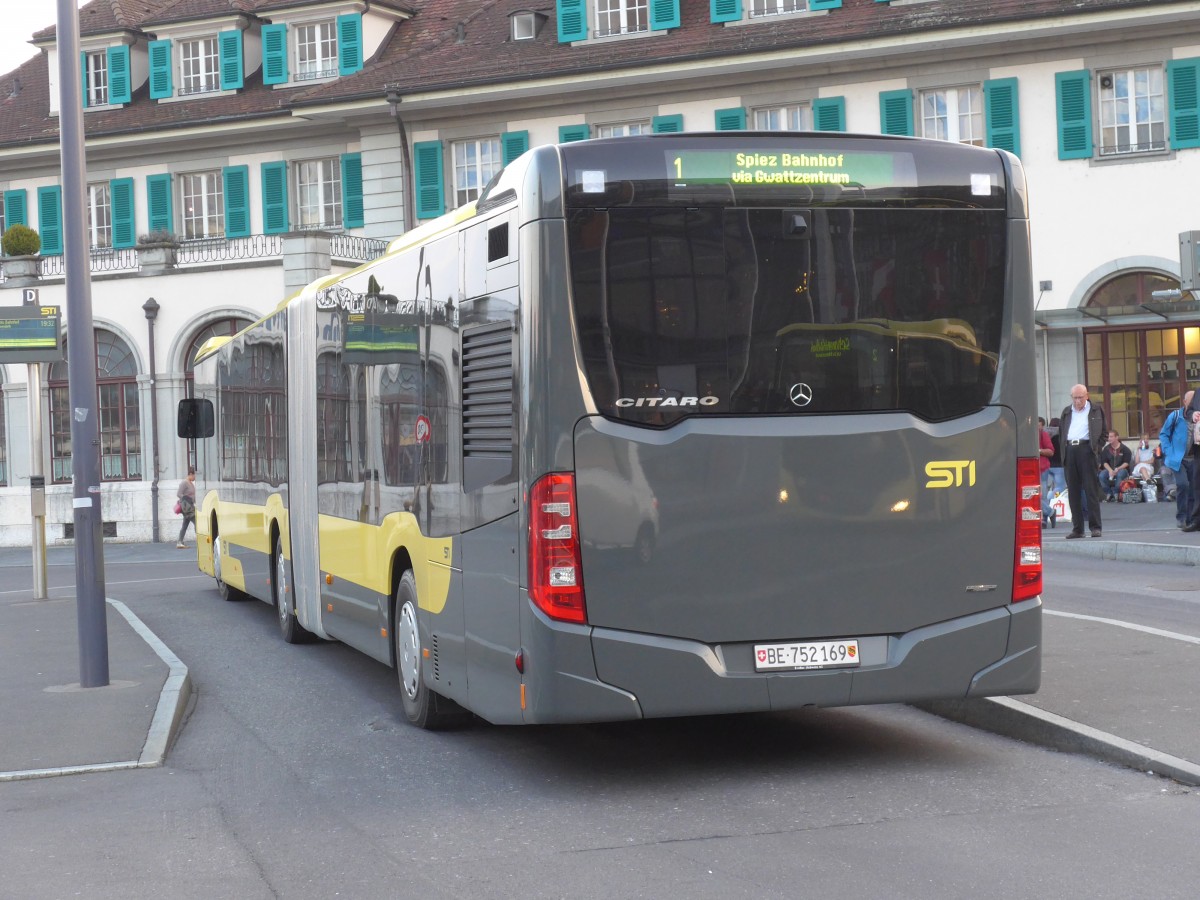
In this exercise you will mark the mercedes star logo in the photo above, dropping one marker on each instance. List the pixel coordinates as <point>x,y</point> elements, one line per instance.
<point>801,394</point>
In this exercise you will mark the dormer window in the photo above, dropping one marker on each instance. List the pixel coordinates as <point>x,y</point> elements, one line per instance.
<point>199,66</point>
<point>96,78</point>
<point>316,51</point>
<point>525,25</point>
<point>621,17</point>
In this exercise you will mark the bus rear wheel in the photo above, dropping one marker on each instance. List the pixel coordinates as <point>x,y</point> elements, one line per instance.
<point>285,599</point>
<point>423,707</point>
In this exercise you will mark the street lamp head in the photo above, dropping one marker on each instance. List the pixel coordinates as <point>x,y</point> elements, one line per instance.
<point>151,308</point>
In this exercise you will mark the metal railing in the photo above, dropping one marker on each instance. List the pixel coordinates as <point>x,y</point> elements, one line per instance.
<point>205,251</point>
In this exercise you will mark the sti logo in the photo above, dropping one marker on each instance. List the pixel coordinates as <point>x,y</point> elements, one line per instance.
<point>944,473</point>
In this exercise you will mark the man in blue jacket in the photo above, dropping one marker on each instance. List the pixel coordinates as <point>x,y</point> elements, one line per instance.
<point>1175,437</point>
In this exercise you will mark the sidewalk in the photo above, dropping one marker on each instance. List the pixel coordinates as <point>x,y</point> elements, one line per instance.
<point>52,726</point>
<point>1126,695</point>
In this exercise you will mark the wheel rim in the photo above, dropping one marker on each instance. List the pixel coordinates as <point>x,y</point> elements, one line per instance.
<point>283,601</point>
<point>217,560</point>
<point>408,646</point>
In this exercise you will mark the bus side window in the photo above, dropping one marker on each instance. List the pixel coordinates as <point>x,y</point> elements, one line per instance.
<point>195,419</point>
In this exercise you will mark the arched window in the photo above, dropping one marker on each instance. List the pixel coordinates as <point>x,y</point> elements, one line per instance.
<point>1138,373</point>
<point>219,328</point>
<point>119,417</point>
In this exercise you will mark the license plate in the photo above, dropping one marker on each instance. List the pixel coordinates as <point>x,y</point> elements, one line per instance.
<point>806,655</point>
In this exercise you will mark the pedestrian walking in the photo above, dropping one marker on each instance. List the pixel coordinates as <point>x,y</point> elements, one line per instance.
<point>1045,452</point>
<point>1083,428</point>
<point>186,505</point>
<point>1191,414</point>
<point>1175,440</point>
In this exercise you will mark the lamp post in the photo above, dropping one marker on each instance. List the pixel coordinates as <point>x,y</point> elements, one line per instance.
<point>150,307</point>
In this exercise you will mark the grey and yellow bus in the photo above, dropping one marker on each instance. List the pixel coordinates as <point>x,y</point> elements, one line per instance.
<point>659,426</point>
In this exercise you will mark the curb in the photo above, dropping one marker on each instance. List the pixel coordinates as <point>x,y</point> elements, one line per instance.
<point>1010,718</point>
<point>172,702</point>
<point>1126,551</point>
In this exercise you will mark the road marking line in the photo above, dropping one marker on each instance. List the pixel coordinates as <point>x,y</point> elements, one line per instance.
<point>1132,626</point>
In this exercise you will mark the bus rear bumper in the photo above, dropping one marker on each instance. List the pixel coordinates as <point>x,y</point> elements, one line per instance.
<point>673,677</point>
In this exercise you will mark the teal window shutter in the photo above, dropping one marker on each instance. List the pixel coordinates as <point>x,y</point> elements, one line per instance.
<point>896,112</point>
<point>158,203</point>
<point>427,166</point>
<point>730,119</point>
<point>512,145</point>
<point>229,47</point>
<point>275,50</point>
<point>666,124</point>
<point>572,20</point>
<point>83,77</point>
<point>1183,85</point>
<point>1073,96</point>
<point>160,69</point>
<point>50,220</point>
<point>829,114</point>
<point>118,75</point>
<point>124,229</point>
<point>236,184</point>
<point>274,197</point>
<point>824,4</point>
<point>15,211</point>
<point>352,190</point>
<point>1003,114</point>
<point>725,10</point>
<point>664,14</point>
<point>350,43</point>
<point>568,134</point>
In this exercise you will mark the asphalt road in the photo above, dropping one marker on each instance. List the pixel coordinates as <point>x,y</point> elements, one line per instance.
<point>295,776</point>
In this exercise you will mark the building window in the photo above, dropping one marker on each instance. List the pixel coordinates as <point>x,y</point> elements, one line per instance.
<point>776,7</point>
<point>953,114</point>
<point>120,422</point>
<point>622,129</point>
<point>99,216</point>
<point>97,78</point>
<point>621,17</point>
<point>316,51</point>
<point>1138,374</point>
<point>1132,111</point>
<point>797,117</point>
<point>475,162</point>
<point>319,193</point>
<point>199,66</point>
<point>203,205</point>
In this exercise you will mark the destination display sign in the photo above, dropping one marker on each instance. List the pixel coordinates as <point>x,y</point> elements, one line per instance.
<point>789,168</point>
<point>30,334</point>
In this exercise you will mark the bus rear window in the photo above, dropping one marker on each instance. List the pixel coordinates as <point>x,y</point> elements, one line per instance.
<point>710,311</point>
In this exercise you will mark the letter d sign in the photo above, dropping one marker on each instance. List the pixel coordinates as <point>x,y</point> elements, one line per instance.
<point>29,296</point>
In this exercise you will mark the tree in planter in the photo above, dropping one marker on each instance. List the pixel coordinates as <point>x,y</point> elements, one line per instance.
<point>20,245</point>
<point>20,240</point>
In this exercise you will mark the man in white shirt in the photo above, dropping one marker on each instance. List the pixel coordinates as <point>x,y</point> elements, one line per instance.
<point>1083,429</point>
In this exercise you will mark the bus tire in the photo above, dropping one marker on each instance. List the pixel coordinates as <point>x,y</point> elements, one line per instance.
<point>423,707</point>
<point>227,591</point>
<point>285,598</point>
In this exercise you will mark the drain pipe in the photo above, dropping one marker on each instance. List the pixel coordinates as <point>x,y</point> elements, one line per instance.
<point>150,307</point>
<point>406,199</point>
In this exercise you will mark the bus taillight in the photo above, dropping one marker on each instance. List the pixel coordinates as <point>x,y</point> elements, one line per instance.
<point>555,562</point>
<point>1027,567</point>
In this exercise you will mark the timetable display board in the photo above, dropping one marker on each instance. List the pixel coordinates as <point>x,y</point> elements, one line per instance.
<point>30,334</point>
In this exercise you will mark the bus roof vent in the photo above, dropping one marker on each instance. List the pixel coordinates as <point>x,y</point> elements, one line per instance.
<point>487,402</point>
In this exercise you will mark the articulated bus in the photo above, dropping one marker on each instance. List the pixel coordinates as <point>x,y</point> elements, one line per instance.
<point>658,426</point>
